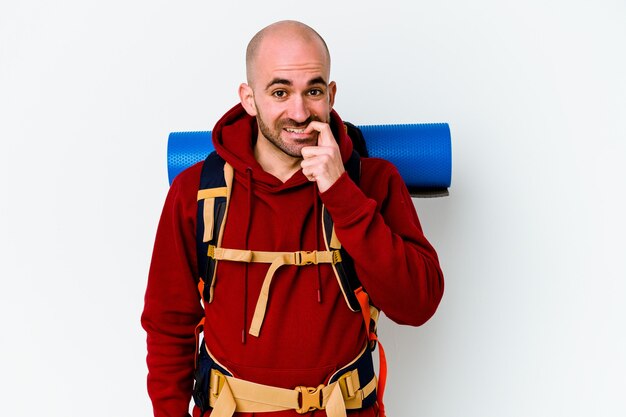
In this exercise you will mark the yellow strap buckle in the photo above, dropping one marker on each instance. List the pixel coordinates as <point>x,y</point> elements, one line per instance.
<point>217,382</point>
<point>336,257</point>
<point>349,385</point>
<point>310,399</point>
<point>306,257</point>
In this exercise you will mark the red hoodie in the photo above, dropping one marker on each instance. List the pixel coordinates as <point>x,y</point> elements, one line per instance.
<point>308,331</point>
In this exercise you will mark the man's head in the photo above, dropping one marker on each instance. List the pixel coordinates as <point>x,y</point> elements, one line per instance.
<point>288,70</point>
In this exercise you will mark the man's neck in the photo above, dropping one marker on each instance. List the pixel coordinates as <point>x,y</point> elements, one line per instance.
<point>274,161</point>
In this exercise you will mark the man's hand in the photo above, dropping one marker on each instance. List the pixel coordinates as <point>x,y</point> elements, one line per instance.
<point>322,163</point>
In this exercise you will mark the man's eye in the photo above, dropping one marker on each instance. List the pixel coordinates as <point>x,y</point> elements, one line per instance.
<point>279,94</point>
<point>316,92</point>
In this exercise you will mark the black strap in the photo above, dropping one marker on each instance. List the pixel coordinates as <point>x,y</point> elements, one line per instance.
<point>212,177</point>
<point>358,140</point>
<point>345,269</point>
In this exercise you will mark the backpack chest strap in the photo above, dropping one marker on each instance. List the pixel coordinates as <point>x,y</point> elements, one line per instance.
<point>276,260</point>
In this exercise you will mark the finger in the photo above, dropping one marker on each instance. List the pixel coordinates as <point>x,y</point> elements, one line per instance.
<point>309,172</point>
<point>311,151</point>
<point>325,137</point>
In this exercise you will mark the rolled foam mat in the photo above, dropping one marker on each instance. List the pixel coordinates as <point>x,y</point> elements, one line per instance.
<point>422,152</point>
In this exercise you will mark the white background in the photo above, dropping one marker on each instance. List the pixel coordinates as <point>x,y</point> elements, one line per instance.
<point>531,238</point>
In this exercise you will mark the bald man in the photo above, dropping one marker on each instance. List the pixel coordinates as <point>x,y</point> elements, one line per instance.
<point>283,334</point>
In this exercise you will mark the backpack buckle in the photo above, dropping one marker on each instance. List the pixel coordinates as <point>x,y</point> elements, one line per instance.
<point>306,257</point>
<point>216,383</point>
<point>310,399</point>
<point>211,251</point>
<point>336,257</point>
<point>349,385</point>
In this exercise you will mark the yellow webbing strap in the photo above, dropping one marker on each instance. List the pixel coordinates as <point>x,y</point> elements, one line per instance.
<point>229,175</point>
<point>209,195</point>
<point>207,215</point>
<point>212,193</point>
<point>228,395</point>
<point>334,241</point>
<point>276,260</point>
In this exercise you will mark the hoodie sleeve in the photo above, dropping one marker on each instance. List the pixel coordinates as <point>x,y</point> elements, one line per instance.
<point>378,226</point>
<point>172,307</point>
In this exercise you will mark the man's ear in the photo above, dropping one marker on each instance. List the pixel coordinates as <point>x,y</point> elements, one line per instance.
<point>332,90</point>
<point>246,96</point>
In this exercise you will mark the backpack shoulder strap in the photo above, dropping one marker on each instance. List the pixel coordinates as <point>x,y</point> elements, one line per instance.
<point>358,140</point>
<point>355,295</point>
<point>213,197</point>
<point>344,269</point>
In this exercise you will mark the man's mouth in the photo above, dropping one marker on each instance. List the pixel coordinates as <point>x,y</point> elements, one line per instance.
<point>294,130</point>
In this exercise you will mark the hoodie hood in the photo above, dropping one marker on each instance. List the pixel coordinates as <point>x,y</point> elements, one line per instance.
<point>234,137</point>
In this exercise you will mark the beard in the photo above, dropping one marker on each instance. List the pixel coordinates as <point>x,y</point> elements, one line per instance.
<point>273,134</point>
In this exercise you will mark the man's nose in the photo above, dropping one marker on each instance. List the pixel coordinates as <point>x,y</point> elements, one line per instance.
<point>298,110</point>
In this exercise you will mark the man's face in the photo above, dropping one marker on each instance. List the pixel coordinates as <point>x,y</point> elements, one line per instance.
<point>289,89</point>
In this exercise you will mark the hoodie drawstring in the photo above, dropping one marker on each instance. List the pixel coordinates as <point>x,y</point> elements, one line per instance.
<point>318,221</point>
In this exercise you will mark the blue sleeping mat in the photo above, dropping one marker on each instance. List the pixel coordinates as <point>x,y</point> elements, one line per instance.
<point>421,152</point>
